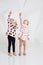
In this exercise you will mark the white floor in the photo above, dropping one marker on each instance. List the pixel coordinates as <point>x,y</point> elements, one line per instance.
<point>34,55</point>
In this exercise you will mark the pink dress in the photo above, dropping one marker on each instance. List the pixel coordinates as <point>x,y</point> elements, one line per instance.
<point>24,32</point>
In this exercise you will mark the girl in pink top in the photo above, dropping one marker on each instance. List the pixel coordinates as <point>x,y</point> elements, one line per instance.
<point>23,35</point>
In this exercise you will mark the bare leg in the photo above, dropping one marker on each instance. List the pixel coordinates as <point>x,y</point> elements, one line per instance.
<point>24,44</point>
<point>20,46</point>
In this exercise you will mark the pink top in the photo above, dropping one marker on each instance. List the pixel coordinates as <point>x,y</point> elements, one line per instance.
<point>24,32</point>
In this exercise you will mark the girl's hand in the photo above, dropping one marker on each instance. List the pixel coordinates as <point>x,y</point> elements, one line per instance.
<point>9,13</point>
<point>20,14</point>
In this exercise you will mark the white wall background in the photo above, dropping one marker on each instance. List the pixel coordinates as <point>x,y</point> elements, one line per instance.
<point>31,10</point>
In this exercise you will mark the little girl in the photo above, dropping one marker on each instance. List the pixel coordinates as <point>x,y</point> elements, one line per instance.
<point>11,32</point>
<point>23,35</point>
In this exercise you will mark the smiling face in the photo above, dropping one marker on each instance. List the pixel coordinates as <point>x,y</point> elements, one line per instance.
<point>26,22</point>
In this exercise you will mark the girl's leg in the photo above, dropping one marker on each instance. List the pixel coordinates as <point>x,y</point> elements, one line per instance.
<point>24,44</point>
<point>13,46</point>
<point>9,44</point>
<point>20,46</point>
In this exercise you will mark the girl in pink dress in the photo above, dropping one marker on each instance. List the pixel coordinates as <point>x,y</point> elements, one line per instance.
<point>23,35</point>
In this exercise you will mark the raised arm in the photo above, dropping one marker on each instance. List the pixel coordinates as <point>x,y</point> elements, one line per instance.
<point>9,15</point>
<point>20,17</point>
<point>8,21</point>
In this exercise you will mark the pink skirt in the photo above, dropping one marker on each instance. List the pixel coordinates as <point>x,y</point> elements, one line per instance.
<point>22,36</point>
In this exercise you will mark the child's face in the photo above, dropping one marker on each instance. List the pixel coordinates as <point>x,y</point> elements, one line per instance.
<point>13,22</point>
<point>25,22</point>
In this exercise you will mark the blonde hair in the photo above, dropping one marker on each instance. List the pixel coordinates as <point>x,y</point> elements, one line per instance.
<point>12,19</point>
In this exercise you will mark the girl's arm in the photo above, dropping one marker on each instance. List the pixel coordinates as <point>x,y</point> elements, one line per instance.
<point>9,16</point>
<point>8,22</point>
<point>28,36</point>
<point>20,19</point>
